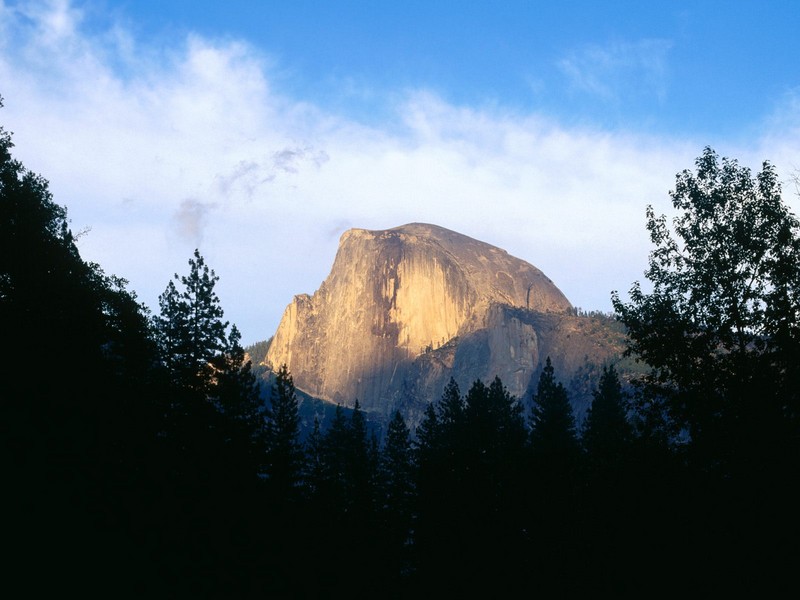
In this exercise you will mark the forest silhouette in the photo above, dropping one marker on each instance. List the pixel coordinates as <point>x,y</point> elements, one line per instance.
<point>142,456</point>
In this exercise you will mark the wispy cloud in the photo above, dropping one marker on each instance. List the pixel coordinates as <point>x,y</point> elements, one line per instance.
<point>289,160</point>
<point>191,219</point>
<point>194,145</point>
<point>616,69</point>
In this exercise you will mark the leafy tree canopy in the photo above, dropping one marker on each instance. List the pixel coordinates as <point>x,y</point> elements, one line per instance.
<point>721,326</point>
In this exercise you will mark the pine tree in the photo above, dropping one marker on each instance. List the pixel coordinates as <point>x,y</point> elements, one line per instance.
<point>359,473</point>
<point>508,416</point>
<point>336,443</point>
<point>553,429</point>
<point>489,462</point>
<point>171,331</point>
<point>396,468</point>
<point>284,454</point>
<point>397,492</point>
<point>235,394</point>
<point>426,437</point>
<point>451,406</point>
<point>552,490</point>
<point>314,463</point>
<point>607,434</point>
<point>190,329</point>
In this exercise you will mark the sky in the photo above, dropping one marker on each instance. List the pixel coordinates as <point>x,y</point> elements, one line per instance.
<point>258,132</point>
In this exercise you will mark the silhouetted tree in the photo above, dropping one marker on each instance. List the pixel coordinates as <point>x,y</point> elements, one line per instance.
<point>396,491</point>
<point>396,469</point>
<point>77,426</point>
<point>720,330</point>
<point>553,430</point>
<point>451,406</point>
<point>190,329</point>
<point>552,494</point>
<point>470,455</point>
<point>314,463</point>
<point>721,326</point>
<point>336,446</point>
<point>426,437</point>
<point>284,451</point>
<point>360,474</point>
<point>607,434</point>
<point>236,395</point>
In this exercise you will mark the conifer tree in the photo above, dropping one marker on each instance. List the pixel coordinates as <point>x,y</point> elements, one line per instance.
<point>236,396</point>
<point>359,473</point>
<point>190,329</point>
<point>314,463</point>
<point>396,468</point>
<point>607,434</point>
<point>397,492</point>
<point>336,442</point>
<point>551,494</point>
<point>508,411</point>
<point>426,436</point>
<point>451,406</point>
<point>552,421</point>
<point>284,451</point>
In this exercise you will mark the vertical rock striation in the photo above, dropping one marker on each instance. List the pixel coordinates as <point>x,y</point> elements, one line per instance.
<point>404,309</point>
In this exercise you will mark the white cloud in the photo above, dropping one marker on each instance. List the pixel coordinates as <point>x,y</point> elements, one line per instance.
<point>780,142</point>
<point>619,68</point>
<point>192,146</point>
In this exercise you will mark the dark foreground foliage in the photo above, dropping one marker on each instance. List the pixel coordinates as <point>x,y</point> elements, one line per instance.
<point>142,460</point>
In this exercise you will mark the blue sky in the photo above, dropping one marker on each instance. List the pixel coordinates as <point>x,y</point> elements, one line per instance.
<point>260,131</point>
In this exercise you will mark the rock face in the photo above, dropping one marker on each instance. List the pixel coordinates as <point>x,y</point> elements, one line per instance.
<point>404,309</point>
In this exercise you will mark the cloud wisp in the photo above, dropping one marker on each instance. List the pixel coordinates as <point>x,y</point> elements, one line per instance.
<point>613,71</point>
<point>195,145</point>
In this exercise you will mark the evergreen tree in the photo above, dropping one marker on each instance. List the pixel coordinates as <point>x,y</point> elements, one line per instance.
<point>470,453</point>
<point>426,438</point>
<point>335,443</point>
<point>171,331</point>
<point>491,464</point>
<point>427,456</point>
<point>360,475</point>
<point>494,431</point>
<point>396,505</point>
<point>396,469</point>
<point>314,463</point>
<point>552,485</point>
<point>553,429</point>
<point>284,454</point>
<point>607,433</point>
<point>508,416</point>
<point>451,406</point>
<point>190,330</point>
<point>236,395</point>
<point>192,343</point>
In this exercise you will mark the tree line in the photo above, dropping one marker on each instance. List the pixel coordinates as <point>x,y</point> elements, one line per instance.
<point>142,456</point>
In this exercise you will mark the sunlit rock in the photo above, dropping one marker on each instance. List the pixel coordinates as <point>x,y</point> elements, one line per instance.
<point>404,309</point>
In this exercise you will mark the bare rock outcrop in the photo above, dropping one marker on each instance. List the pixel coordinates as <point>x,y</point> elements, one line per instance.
<point>404,309</point>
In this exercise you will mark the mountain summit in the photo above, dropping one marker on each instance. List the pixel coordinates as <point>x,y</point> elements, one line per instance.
<point>404,309</point>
